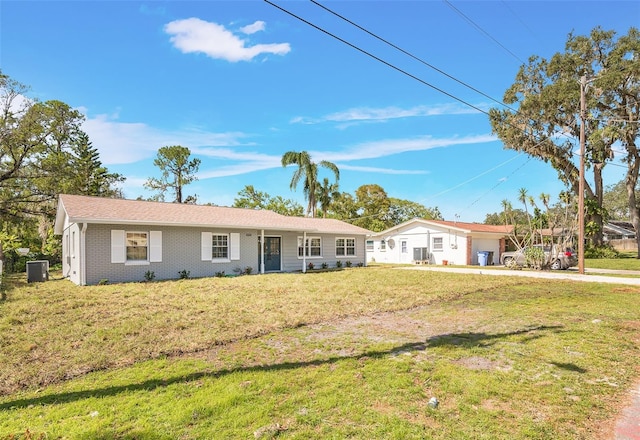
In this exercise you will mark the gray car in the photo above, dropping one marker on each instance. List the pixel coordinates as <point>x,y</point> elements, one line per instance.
<point>558,258</point>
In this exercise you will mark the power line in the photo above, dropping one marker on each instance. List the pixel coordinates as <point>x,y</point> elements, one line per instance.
<point>388,64</point>
<point>411,55</point>
<point>369,54</point>
<point>474,24</point>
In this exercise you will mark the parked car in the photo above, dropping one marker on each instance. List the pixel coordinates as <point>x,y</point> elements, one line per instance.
<point>557,258</point>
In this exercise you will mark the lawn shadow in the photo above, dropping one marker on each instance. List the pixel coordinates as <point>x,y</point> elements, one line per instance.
<point>478,339</point>
<point>487,339</point>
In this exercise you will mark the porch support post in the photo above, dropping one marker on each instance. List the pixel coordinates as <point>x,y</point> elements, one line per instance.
<point>262,251</point>
<point>304,252</point>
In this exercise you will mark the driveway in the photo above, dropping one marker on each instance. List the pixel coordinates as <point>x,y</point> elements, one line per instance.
<point>590,275</point>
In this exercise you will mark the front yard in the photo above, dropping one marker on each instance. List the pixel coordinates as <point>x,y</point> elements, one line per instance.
<point>356,353</point>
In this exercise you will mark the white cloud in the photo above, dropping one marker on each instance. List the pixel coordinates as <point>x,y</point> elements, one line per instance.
<point>253,28</point>
<point>389,147</point>
<point>379,170</point>
<point>193,35</point>
<point>128,142</point>
<point>368,114</point>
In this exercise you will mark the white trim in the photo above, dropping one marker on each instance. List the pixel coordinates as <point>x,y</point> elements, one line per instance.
<point>306,245</point>
<point>345,247</point>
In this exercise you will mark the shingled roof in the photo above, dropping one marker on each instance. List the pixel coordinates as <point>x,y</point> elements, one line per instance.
<point>461,226</point>
<point>102,210</point>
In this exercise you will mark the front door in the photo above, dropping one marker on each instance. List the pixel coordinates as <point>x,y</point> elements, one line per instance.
<point>271,254</point>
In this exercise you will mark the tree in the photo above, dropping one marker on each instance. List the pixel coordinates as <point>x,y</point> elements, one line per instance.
<point>250,198</point>
<point>307,171</point>
<point>177,171</point>
<point>90,177</point>
<point>547,121</point>
<point>41,149</point>
<point>616,201</point>
<point>401,211</point>
<point>325,193</point>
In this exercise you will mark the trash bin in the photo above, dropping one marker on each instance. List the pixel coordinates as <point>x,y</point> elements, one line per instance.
<point>482,258</point>
<point>490,258</point>
<point>37,271</point>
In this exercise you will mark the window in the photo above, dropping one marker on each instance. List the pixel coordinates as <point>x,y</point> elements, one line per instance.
<point>403,246</point>
<point>313,247</point>
<point>219,246</point>
<point>437,244</point>
<point>369,245</point>
<point>383,245</point>
<point>345,247</point>
<point>137,246</point>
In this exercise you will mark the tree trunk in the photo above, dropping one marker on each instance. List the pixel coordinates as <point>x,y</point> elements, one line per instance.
<point>597,239</point>
<point>634,212</point>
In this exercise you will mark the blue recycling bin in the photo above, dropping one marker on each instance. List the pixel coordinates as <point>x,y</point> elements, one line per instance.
<point>482,258</point>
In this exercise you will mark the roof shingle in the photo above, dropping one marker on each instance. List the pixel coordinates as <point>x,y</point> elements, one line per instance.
<point>81,209</point>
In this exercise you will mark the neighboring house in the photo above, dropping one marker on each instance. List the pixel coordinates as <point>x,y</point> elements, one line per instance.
<point>122,240</point>
<point>618,230</point>
<point>437,242</point>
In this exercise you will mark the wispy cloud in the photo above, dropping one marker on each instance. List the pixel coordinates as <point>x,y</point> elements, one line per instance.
<point>369,114</point>
<point>379,170</point>
<point>389,147</point>
<point>253,28</point>
<point>128,142</point>
<point>193,35</point>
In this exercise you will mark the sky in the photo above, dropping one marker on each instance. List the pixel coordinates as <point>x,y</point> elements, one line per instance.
<point>240,83</point>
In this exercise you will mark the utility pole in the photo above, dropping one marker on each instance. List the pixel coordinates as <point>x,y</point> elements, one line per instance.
<point>583,111</point>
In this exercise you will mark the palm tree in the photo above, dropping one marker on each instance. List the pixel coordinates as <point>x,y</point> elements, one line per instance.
<point>308,172</point>
<point>325,194</point>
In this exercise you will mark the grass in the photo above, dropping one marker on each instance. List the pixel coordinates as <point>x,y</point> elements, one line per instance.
<point>626,261</point>
<point>346,354</point>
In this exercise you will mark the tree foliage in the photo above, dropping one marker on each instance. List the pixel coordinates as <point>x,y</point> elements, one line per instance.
<point>616,201</point>
<point>178,170</point>
<point>373,209</point>
<point>546,123</point>
<point>43,152</point>
<point>307,172</point>
<point>250,198</point>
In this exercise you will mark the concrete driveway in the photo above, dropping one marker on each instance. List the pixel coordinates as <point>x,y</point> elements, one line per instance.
<point>630,277</point>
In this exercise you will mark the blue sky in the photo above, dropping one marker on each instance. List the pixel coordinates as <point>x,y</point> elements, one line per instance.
<point>242,82</point>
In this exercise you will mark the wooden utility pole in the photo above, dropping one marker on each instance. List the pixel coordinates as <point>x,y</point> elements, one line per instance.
<point>583,111</point>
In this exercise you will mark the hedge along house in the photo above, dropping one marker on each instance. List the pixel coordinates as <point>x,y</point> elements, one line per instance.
<point>123,240</point>
<point>421,241</point>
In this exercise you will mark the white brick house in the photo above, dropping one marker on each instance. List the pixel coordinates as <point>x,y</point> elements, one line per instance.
<point>120,240</point>
<point>437,242</point>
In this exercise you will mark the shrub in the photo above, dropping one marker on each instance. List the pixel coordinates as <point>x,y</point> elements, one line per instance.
<point>534,257</point>
<point>184,274</point>
<point>248,270</point>
<point>103,282</point>
<point>149,275</point>
<point>338,264</point>
<point>310,266</point>
<point>324,265</point>
<point>604,251</point>
<point>219,274</point>
<point>348,263</point>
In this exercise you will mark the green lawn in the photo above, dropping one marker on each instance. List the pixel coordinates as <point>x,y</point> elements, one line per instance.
<point>627,261</point>
<point>356,353</point>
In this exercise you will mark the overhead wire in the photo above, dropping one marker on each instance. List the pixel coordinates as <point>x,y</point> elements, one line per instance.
<point>404,72</point>
<point>478,27</point>
<point>409,54</point>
